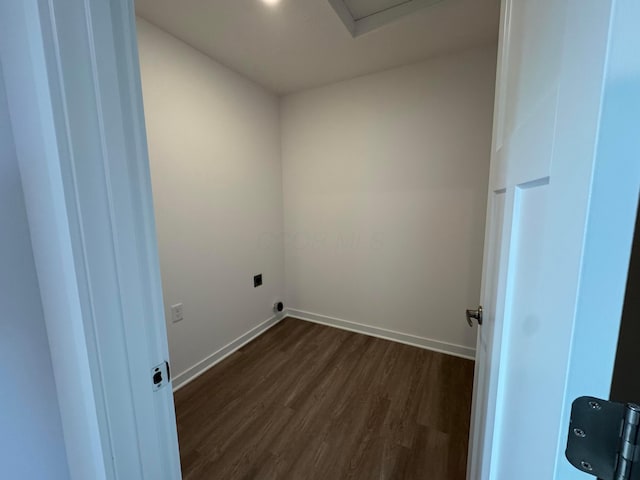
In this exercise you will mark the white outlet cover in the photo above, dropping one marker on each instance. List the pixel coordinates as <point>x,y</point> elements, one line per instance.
<point>177,314</point>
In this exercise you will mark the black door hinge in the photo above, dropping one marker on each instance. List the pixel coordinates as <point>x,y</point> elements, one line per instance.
<point>603,439</point>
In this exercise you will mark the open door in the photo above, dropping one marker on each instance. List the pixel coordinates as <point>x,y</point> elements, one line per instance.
<point>563,192</point>
<point>562,205</point>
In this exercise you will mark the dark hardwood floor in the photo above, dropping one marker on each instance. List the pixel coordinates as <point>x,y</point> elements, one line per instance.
<point>305,401</point>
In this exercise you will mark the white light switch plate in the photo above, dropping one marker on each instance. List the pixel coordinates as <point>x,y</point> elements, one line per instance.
<point>177,314</point>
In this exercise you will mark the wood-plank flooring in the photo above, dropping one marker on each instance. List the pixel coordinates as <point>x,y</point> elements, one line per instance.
<point>305,401</point>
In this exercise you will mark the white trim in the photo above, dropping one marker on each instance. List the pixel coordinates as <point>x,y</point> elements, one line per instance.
<point>72,79</point>
<point>407,339</point>
<point>343,12</point>
<point>360,26</point>
<point>202,366</point>
<point>31,58</point>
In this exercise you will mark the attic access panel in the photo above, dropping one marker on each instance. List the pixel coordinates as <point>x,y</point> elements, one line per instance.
<point>362,16</point>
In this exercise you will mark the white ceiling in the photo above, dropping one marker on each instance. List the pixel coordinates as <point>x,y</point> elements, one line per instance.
<point>298,44</point>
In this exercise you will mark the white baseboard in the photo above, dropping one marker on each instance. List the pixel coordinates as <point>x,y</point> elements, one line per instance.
<point>199,368</point>
<point>426,343</point>
<point>202,366</point>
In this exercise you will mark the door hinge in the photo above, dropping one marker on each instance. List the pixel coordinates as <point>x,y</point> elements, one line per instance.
<point>160,376</point>
<point>603,439</point>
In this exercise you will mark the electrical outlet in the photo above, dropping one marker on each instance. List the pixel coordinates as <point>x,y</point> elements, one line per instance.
<point>278,307</point>
<point>177,315</point>
<point>257,280</point>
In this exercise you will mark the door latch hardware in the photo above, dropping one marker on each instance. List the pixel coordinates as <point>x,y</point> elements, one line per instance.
<point>160,376</point>
<point>474,315</point>
<point>603,439</point>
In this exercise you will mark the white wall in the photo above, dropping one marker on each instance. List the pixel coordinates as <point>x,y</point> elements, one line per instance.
<point>214,147</point>
<point>31,441</point>
<point>385,185</point>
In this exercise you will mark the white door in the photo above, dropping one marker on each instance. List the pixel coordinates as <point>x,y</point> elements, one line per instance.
<point>563,194</point>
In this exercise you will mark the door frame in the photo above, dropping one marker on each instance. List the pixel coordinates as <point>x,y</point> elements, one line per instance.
<point>33,49</point>
<point>73,86</point>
